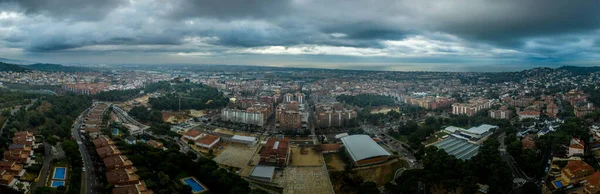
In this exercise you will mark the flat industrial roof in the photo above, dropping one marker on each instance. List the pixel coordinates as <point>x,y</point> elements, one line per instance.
<point>243,138</point>
<point>362,147</point>
<point>481,129</point>
<point>263,171</point>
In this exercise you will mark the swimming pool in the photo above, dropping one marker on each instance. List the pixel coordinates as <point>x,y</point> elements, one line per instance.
<point>558,184</point>
<point>60,173</point>
<point>115,131</point>
<point>196,186</point>
<point>57,183</point>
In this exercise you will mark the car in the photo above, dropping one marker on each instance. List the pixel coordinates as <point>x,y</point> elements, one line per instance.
<point>83,169</point>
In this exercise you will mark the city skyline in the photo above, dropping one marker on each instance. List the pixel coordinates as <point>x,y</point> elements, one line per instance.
<point>384,35</point>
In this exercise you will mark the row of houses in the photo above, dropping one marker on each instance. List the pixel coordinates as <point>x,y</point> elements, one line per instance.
<point>93,121</point>
<point>120,171</point>
<point>16,157</point>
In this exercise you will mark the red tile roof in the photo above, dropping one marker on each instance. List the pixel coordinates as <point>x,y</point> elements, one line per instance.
<point>207,139</point>
<point>193,133</point>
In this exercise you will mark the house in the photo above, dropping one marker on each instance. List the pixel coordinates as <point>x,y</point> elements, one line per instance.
<point>116,162</point>
<point>19,156</point>
<point>108,151</point>
<point>528,142</point>
<point>133,189</point>
<point>593,184</point>
<point>276,152</point>
<point>529,114</point>
<point>122,177</point>
<point>575,170</point>
<point>576,147</point>
<point>24,137</point>
<point>12,167</point>
<point>155,144</point>
<point>207,141</point>
<point>130,140</point>
<point>93,132</point>
<point>102,141</point>
<point>21,147</point>
<point>330,148</point>
<point>7,179</point>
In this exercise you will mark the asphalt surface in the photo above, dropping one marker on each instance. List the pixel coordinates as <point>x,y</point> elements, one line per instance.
<point>90,179</point>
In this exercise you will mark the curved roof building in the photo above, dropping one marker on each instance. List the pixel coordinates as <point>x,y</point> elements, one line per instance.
<point>364,151</point>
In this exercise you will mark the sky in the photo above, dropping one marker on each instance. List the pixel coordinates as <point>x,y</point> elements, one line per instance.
<point>375,34</point>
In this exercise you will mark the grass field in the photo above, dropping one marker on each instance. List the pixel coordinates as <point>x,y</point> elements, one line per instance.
<point>311,158</point>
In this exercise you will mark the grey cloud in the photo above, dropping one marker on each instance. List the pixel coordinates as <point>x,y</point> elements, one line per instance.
<point>67,9</point>
<point>228,9</point>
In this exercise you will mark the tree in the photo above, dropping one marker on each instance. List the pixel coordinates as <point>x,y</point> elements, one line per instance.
<point>367,188</point>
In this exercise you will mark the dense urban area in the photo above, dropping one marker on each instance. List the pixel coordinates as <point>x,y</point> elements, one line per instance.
<point>145,129</point>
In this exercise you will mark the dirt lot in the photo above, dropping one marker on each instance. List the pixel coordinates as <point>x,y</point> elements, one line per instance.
<point>235,155</point>
<point>310,158</point>
<point>174,117</point>
<point>230,132</point>
<point>304,180</point>
<point>334,162</point>
<point>381,173</point>
<point>197,113</point>
<point>384,110</point>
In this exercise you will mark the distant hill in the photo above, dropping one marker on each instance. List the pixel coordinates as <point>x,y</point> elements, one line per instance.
<point>55,67</point>
<point>12,67</point>
<point>576,70</point>
<point>15,61</point>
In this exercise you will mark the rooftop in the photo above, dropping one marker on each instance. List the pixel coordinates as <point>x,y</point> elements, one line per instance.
<point>362,147</point>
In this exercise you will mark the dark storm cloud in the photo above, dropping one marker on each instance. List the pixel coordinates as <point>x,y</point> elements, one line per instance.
<point>529,29</point>
<point>228,9</point>
<point>67,9</point>
<point>509,22</point>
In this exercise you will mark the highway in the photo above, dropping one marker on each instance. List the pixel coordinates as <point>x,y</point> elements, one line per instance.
<point>90,180</point>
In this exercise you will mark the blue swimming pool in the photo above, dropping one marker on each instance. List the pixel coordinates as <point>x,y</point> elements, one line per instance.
<point>60,173</point>
<point>558,184</point>
<point>57,183</point>
<point>196,186</point>
<point>115,131</point>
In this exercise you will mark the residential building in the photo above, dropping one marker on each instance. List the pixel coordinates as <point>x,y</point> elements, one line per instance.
<point>155,144</point>
<point>528,142</point>
<point>19,156</point>
<point>502,113</point>
<point>529,114</point>
<point>12,167</point>
<point>592,186</point>
<point>102,141</point>
<point>276,152</point>
<point>23,137</point>
<point>288,116</point>
<point>471,108</point>
<point>133,189</point>
<point>333,115</point>
<point>6,178</point>
<point>117,162</point>
<point>576,147</point>
<point>108,151</point>
<point>575,170</point>
<point>122,177</point>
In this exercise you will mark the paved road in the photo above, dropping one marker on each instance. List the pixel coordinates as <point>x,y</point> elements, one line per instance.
<point>45,166</point>
<point>519,176</point>
<point>91,182</point>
